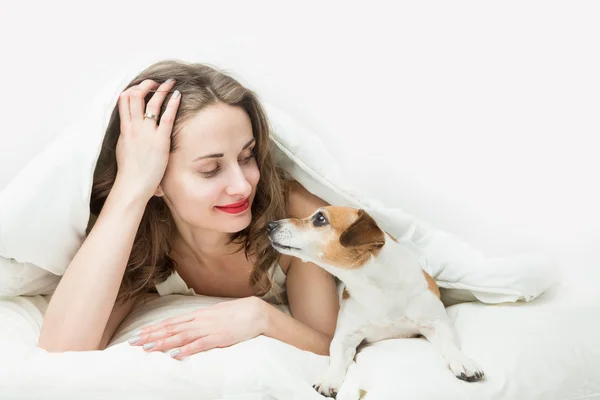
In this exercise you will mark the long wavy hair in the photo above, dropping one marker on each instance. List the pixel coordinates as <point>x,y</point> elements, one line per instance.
<point>200,86</point>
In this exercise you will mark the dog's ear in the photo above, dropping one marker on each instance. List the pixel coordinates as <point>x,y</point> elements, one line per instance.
<point>363,232</point>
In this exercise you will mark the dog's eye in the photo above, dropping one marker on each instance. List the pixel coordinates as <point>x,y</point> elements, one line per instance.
<point>319,219</point>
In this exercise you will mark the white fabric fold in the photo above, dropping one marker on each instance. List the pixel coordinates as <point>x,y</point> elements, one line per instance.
<point>44,212</point>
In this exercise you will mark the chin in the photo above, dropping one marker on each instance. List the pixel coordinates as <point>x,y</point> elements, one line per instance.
<point>237,224</point>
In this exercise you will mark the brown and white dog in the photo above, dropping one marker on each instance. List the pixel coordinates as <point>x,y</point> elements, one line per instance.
<point>384,292</point>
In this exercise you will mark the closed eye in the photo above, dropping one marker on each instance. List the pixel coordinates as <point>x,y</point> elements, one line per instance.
<point>210,174</point>
<point>251,153</point>
<point>247,159</point>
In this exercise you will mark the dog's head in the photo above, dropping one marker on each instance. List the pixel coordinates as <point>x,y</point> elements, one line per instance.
<point>339,237</point>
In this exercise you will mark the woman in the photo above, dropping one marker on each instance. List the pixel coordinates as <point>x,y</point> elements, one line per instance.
<point>183,189</point>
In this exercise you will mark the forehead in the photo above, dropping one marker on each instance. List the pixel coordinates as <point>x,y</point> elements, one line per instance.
<point>216,128</point>
<point>340,217</point>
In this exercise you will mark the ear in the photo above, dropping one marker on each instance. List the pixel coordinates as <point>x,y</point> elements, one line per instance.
<point>363,232</point>
<point>159,192</point>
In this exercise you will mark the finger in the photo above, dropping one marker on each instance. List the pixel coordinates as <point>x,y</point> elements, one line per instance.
<point>136,98</point>
<point>159,96</point>
<point>164,333</point>
<point>168,118</point>
<point>124,113</point>
<point>165,323</point>
<point>172,342</point>
<point>202,344</point>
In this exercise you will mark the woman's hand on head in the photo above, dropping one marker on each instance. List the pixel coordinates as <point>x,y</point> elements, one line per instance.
<point>144,144</point>
<point>221,325</point>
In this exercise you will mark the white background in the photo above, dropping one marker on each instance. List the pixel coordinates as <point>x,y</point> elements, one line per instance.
<point>480,118</point>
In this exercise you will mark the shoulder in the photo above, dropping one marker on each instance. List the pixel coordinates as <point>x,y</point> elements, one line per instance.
<point>300,204</point>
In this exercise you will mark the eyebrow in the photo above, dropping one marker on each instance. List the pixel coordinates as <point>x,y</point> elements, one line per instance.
<point>219,155</point>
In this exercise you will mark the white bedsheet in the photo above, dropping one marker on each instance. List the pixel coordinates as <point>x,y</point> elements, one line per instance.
<point>546,349</point>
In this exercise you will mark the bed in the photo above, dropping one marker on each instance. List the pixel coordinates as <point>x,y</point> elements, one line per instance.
<point>536,335</point>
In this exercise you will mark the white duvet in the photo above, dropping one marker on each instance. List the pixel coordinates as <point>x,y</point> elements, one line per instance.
<point>44,212</point>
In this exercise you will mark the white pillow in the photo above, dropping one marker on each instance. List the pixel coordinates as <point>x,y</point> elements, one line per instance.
<point>23,278</point>
<point>44,213</point>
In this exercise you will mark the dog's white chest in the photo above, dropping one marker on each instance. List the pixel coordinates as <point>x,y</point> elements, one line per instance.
<point>396,328</point>
<point>382,314</point>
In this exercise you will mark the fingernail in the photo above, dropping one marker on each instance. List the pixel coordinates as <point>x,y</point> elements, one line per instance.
<point>134,340</point>
<point>169,80</point>
<point>176,94</point>
<point>148,346</point>
<point>175,352</point>
<point>137,333</point>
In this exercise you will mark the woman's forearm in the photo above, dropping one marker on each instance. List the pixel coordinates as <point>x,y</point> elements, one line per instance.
<point>84,299</point>
<point>281,326</point>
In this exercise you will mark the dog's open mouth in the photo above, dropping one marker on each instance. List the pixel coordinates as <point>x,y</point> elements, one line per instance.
<point>283,247</point>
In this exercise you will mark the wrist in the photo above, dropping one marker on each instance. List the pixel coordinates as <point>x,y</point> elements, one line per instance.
<point>127,195</point>
<point>122,205</point>
<point>263,316</point>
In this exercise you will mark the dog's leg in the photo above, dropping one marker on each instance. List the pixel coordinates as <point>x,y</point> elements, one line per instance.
<point>342,350</point>
<point>434,324</point>
<point>351,387</point>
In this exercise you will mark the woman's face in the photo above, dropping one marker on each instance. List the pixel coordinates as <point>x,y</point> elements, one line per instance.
<point>212,169</point>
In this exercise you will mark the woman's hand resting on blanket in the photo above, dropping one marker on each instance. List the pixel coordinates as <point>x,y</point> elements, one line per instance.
<point>143,145</point>
<point>221,325</point>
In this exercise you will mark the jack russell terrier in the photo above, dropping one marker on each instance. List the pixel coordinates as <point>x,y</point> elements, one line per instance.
<point>386,295</point>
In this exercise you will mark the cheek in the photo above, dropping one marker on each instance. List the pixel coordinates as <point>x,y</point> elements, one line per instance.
<point>317,243</point>
<point>189,193</point>
<point>252,174</point>
<point>339,256</point>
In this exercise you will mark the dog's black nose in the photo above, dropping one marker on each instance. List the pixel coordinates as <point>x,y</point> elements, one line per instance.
<point>271,226</point>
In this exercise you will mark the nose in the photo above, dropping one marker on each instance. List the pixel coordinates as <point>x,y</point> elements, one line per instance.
<point>238,184</point>
<point>271,226</point>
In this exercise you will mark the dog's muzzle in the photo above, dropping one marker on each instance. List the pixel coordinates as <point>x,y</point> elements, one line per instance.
<point>279,236</point>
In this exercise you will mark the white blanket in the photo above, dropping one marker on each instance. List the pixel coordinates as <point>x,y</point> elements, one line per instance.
<point>44,213</point>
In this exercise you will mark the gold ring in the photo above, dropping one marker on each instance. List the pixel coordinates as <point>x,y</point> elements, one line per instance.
<point>150,116</point>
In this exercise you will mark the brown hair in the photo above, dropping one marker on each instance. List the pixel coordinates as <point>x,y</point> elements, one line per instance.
<point>200,86</point>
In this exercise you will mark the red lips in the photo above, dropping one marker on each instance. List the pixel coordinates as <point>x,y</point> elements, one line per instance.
<point>235,208</point>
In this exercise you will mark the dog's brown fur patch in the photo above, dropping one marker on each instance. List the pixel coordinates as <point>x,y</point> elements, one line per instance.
<point>340,218</point>
<point>432,285</point>
<point>345,294</point>
<point>344,257</point>
<point>391,237</point>
<point>297,222</point>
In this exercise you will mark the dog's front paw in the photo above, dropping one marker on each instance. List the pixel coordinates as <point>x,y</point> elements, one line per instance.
<point>326,389</point>
<point>330,385</point>
<point>466,369</point>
